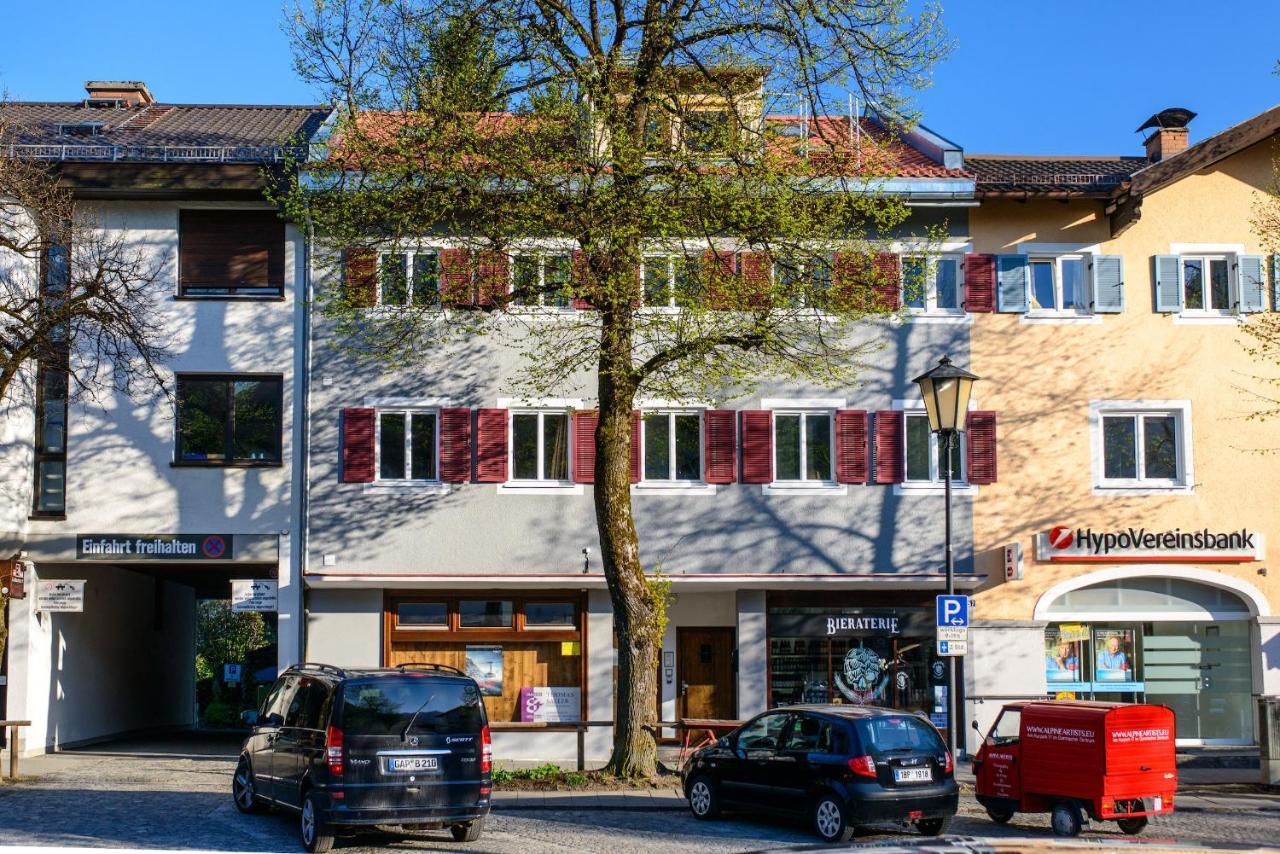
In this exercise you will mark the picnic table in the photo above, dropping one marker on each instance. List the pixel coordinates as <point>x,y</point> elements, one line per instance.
<point>710,728</point>
<point>14,747</point>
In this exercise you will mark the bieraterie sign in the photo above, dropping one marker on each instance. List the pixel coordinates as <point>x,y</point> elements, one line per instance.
<point>135,547</point>
<point>864,624</point>
<point>1065,544</point>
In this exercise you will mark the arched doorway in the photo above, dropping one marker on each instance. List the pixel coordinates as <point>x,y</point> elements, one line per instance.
<point>1181,639</point>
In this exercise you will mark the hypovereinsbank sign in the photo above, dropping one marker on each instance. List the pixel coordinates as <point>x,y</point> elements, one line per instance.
<point>1067,544</point>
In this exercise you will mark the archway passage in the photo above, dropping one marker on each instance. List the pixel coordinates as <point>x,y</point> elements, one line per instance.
<point>1162,639</point>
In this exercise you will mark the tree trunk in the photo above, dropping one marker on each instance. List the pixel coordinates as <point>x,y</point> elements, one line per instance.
<point>636,619</point>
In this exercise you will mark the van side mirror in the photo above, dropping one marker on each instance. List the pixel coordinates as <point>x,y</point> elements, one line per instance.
<point>249,717</point>
<point>976,728</point>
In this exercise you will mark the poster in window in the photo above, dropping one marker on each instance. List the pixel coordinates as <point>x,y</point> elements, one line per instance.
<point>1114,655</point>
<point>484,664</point>
<point>1065,648</point>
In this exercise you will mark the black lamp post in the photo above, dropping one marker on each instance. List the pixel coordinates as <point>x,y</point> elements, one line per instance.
<point>946,391</point>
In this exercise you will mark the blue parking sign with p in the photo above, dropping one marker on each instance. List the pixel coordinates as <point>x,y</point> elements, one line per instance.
<point>953,611</point>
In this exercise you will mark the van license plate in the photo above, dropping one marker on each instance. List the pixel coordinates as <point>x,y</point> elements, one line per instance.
<point>912,775</point>
<point>412,763</point>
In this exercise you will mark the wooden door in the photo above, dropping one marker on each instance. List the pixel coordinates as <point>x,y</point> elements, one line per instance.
<point>705,679</point>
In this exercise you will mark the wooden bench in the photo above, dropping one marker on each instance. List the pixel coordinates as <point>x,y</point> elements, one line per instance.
<point>14,745</point>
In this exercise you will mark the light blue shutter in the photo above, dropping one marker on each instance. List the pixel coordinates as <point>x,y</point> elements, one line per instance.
<point>1253,283</point>
<point>1275,282</point>
<point>1168,278</point>
<point>1011,283</point>
<point>1108,283</point>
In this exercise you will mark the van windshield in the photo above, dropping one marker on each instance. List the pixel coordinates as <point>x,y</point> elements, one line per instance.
<point>386,706</point>
<point>898,734</point>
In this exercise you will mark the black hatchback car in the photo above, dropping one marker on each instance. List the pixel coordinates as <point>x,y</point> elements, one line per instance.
<point>839,766</point>
<point>406,746</point>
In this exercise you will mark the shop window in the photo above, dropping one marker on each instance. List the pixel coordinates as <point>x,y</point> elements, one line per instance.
<point>673,447</point>
<point>1084,659</point>
<point>229,420</point>
<point>422,615</point>
<point>407,444</point>
<point>550,615</point>
<point>540,446</point>
<point>803,446</point>
<point>485,613</point>
<point>1141,446</point>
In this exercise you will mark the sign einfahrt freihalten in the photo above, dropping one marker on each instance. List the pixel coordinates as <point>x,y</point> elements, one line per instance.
<point>139,547</point>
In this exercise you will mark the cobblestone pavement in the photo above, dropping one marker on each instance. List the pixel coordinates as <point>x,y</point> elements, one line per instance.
<point>175,798</point>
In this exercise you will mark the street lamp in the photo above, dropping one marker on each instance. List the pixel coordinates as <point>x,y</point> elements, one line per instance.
<point>946,391</point>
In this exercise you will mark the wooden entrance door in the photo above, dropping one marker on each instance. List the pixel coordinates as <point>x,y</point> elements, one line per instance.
<point>706,684</point>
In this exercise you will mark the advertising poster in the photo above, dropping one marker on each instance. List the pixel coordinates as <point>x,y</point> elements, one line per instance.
<point>1114,655</point>
<point>484,664</point>
<point>1065,649</point>
<point>551,705</point>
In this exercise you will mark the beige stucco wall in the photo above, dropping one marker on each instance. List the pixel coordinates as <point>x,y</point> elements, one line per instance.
<point>1041,378</point>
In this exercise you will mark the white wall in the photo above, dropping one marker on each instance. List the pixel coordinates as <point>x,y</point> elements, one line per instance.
<point>1005,661</point>
<point>344,627</point>
<point>753,653</point>
<point>690,610</point>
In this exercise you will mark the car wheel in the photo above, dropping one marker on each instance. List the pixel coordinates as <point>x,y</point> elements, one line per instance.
<point>317,834</point>
<point>831,820</point>
<point>999,816</point>
<point>934,826</point>
<point>1066,820</point>
<point>468,832</point>
<point>704,801</point>
<point>1133,826</point>
<point>243,789</point>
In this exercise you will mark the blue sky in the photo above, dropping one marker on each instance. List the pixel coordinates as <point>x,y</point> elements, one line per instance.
<point>1027,76</point>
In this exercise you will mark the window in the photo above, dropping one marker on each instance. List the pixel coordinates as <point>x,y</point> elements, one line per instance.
<point>1008,728</point>
<point>1206,284</point>
<point>810,735</point>
<point>550,615</point>
<point>229,420</point>
<point>540,446</point>
<point>806,281</point>
<point>408,446</point>
<point>397,287</point>
<point>422,615</point>
<point>670,281</point>
<point>309,706</point>
<point>932,284</point>
<point>673,446</point>
<point>706,131</point>
<point>542,280</point>
<point>803,446</point>
<point>925,458</point>
<point>230,253</point>
<point>49,496</point>
<point>764,733</point>
<point>485,613</point>
<point>1141,446</point>
<point>1059,284</point>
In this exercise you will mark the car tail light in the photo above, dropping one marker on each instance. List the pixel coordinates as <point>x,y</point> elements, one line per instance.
<point>863,766</point>
<point>948,764</point>
<point>486,750</point>
<point>333,750</point>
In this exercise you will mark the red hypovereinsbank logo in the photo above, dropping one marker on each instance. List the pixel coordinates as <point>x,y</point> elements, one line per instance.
<point>1061,537</point>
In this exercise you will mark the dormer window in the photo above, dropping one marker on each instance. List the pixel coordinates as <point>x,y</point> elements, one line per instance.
<point>80,129</point>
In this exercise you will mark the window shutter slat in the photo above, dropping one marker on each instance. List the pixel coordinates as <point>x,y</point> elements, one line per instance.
<point>756,280</point>
<point>584,446</point>
<point>635,446</point>
<point>1253,284</point>
<point>888,281</point>
<point>851,446</point>
<point>981,447</point>
<point>357,445</point>
<point>719,269</point>
<point>721,445</point>
<point>1011,283</point>
<point>979,282</point>
<point>1108,283</point>
<point>580,277</point>
<point>493,279</point>
<point>1168,279</point>
<point>491,446</point>
<point>360,277</point>
<point>455,279</point>
<point>890,452</point>
<point>1275,282</point>
<point>455,445</point>
<point>757,446</point>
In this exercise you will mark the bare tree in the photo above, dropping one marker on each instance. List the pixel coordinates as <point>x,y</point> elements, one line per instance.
<point>635,127</point>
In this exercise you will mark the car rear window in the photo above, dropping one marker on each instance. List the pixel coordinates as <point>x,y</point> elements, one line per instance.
<point>386,706</point>
<point>897,733</point>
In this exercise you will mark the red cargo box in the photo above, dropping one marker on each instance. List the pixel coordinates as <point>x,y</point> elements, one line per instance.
<point>1110,761</point>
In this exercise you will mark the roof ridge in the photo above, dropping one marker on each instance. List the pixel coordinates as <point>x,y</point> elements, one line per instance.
<point>1051,157</point>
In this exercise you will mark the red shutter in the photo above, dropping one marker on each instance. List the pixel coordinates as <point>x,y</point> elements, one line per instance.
<point>491,446</point>
<point>719,270</point>
<point>888,281</point>
<point>979,282</point>
<point>455,445</point>
<point>890,452</point>
<point>361,277</point>
<point>580,277</point>
<point>757,446</point>
<point>357,445</point>
<point>584,446</point>
<point>851,446</point>
<point>981,447</point>
<point>493,279</point>
<point>636,462</point>
<point>756,281</point>
<point>455,278</point>
<point>720,440</point>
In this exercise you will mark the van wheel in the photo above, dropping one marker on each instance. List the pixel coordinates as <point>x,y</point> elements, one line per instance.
<point>468,832</point>
<point>999,816</point>
<point>243,789</point>
<point>704,801</point>
<point>317,833</point>
<point>1133,826</point>
<point>830,819</point>
<point>1066,820</point>
<point>934,826</point>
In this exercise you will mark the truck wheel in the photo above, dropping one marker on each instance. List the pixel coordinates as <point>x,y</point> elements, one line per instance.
<point>1133,826</point>
<point>999,816</point>
<point>1066,820</point>
<point>934,826</point>
<point>830,819</point>
<point>468,832</point>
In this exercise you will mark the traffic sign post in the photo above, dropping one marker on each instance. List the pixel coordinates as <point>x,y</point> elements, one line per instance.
<point>949,648</point>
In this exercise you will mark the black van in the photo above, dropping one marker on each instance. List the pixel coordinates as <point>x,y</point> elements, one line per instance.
<point>838,766</point>
<point>405,746</point>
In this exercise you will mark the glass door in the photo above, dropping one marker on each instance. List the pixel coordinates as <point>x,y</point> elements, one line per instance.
<point>1203,672</point>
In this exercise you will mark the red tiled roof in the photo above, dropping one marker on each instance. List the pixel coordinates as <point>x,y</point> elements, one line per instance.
<point>1011,174</point>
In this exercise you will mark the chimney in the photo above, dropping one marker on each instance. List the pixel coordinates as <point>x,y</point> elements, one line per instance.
<point>1169,133</point>
<point>126,93</point>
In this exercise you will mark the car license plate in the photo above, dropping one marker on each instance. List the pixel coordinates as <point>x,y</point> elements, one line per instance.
<point>1158,804</point>
<point>912,775</point>
<point>412,763</point>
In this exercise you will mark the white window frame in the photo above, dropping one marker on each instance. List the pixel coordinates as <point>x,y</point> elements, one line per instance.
<point>534,487</point>
<point>1233,284</point>
<point>803,264</point>
<point>410,280</point>
<point>936,485</point>
<point>671,412</point>
<point>541,480</point>
<point>931,284</point>
<point>1179,409</point>
<point>808,408</point>
<point>1056,259</point>
<point>669,259</point>
<point>400,485</point>
<point>540,254</point>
